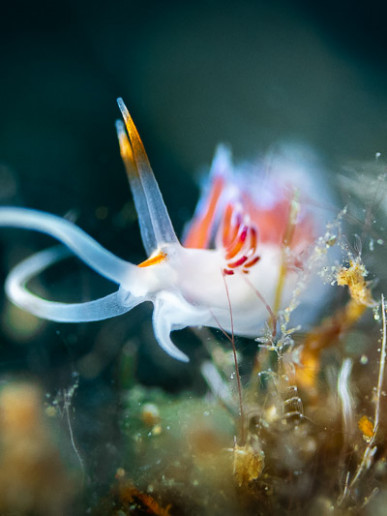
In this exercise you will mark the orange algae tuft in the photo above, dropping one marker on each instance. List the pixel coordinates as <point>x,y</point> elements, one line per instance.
<point>353,277</point>
<point>366,427</point>
<point>334,326</point>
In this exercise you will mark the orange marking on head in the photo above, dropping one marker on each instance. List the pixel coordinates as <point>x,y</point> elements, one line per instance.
<point>153,260</point>
<point>200,232</point>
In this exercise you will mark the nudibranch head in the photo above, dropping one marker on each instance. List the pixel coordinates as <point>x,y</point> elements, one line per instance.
<point>240,259</point>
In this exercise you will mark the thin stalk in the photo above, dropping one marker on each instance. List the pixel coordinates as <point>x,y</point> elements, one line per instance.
<point>239,384</point>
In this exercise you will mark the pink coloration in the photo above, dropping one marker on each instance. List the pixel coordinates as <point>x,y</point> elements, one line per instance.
<point>239,208</point>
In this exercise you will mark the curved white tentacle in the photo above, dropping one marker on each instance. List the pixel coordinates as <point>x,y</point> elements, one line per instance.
<point>99,309</point>
<point>80,243</point>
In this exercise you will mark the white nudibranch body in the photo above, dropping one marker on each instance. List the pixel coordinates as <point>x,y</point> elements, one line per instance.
<point>243,252</point>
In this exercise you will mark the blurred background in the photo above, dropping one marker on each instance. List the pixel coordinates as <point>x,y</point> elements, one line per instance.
<point>193,74</point>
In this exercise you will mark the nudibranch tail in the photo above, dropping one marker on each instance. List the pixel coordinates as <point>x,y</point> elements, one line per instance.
<point>96,310</point>
<point>155,224</point>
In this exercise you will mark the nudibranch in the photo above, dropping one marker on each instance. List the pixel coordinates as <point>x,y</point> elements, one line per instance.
<point>251,231</point>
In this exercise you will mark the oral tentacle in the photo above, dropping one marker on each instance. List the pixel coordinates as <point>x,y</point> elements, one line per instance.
<point>79,242</point>
<point>103,308</point>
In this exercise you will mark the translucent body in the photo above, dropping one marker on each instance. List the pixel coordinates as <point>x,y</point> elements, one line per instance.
<point>227,274</point>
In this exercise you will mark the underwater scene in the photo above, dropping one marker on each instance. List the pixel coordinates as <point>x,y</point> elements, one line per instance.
<point>193,207</point>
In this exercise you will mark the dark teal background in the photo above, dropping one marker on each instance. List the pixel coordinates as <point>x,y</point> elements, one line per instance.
<point>193,74</point>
